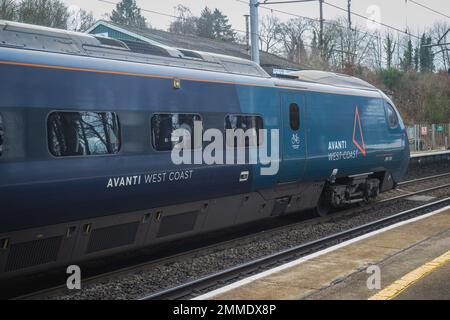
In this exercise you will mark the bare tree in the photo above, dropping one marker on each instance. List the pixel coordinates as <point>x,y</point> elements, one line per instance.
<point>351,47</point>
<point>185,23</point>
<point>440,32</point>
<point>269,33</point>
<point>292,34</point>
<point>323,57</point>
<point>80,20</point>
<point>374,58</point>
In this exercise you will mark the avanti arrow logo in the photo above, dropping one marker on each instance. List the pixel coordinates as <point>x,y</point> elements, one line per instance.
<point>357,130</point>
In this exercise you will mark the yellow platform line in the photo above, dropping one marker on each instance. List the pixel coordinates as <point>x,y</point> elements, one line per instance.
<point>400,285</point>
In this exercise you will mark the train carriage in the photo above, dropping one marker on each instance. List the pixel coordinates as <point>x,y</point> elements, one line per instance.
<point>86,140</point>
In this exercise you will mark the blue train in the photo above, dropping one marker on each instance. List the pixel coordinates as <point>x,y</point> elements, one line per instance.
<point>87,135</point>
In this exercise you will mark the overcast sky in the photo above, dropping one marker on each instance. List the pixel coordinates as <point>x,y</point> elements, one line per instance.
<point>396,13</point>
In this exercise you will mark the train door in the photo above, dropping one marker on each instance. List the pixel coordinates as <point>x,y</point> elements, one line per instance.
<point>293,137</point>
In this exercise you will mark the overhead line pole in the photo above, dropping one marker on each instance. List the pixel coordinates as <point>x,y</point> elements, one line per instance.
<point>321,26</point>
<point>254,30</point>
<point>350,14</point>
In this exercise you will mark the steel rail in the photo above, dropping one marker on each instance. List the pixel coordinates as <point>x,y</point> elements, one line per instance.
<point>410,194</point>
<point>424,179</point>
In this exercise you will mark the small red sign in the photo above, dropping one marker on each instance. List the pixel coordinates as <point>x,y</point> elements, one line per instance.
<point>424,131</point>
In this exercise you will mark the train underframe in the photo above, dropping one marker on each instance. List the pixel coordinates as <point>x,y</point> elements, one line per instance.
<point>33,250</point>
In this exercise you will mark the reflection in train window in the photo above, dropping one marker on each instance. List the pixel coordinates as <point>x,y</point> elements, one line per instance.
<point>392,117</point>
<point>249,124</point>
<point>164,125</point>
<point>1,135</point>
<point>83,133</point>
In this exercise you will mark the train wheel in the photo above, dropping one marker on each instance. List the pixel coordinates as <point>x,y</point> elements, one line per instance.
<point>323,206</point>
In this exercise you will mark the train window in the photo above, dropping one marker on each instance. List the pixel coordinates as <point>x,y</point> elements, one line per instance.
<point>1,135</point>
<point>294,116</point>
<point>83,133</point>
<point>392,117</point>
<point>245,123</point>
<point>164,125</point>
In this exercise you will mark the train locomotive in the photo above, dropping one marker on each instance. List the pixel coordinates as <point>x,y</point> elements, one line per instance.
<point>86,141</point>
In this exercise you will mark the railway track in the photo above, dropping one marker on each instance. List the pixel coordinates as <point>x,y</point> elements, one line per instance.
<point>437,176</point>
<point>193,288</point>
<point>443,179</point>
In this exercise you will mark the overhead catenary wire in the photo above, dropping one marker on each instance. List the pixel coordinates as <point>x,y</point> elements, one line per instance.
<point>371,20</point>
<point>331,23</point>
<point>428,8</point>
<point>300,16</point>
<point>273,10</point>
<point>162,14</point>
<point>177,17</point>
<point>335,24</point>
<point>327,22</point>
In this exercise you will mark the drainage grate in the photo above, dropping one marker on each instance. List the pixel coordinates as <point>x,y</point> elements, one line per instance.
<point>179,223</point>
<point>112,237</point>
<point>28,254</point>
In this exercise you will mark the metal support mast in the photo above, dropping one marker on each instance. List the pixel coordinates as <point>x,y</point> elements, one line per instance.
<point>254,30</point>
<point>321,26</point>
<point>350,14</point>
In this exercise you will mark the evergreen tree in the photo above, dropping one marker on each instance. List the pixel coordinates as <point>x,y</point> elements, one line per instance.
<point>416,59</point>
<point>221,28</point>
<point>7,9</point>
<point>205,24</point>
<point>426,54</point>
<point>214,25</point>
<point>430,54</point>
<point>390,49</point>
<point>49,13</point>
<point>128,13</point>
<point>407,62</point>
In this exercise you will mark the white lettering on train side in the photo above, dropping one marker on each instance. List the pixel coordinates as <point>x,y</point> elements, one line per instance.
<point>151,178</point>
<point>339,150</point>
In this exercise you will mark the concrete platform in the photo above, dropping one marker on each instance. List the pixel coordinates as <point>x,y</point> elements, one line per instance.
<point>434,286</point>
<point>429,153</point>
<point>412,258</point>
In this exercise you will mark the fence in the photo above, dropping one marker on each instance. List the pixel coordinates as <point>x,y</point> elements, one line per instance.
<point>423,137</point>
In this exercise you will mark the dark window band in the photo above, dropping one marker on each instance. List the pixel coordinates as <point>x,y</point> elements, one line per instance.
<point>164,126</point>
<point>83,133</point>
<point>245,123</point>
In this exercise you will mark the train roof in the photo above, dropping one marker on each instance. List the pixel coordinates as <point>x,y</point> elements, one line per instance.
<point>331,78</point>
<point>37,38</point>
<point>32,37</point>
<point>187,41</point>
